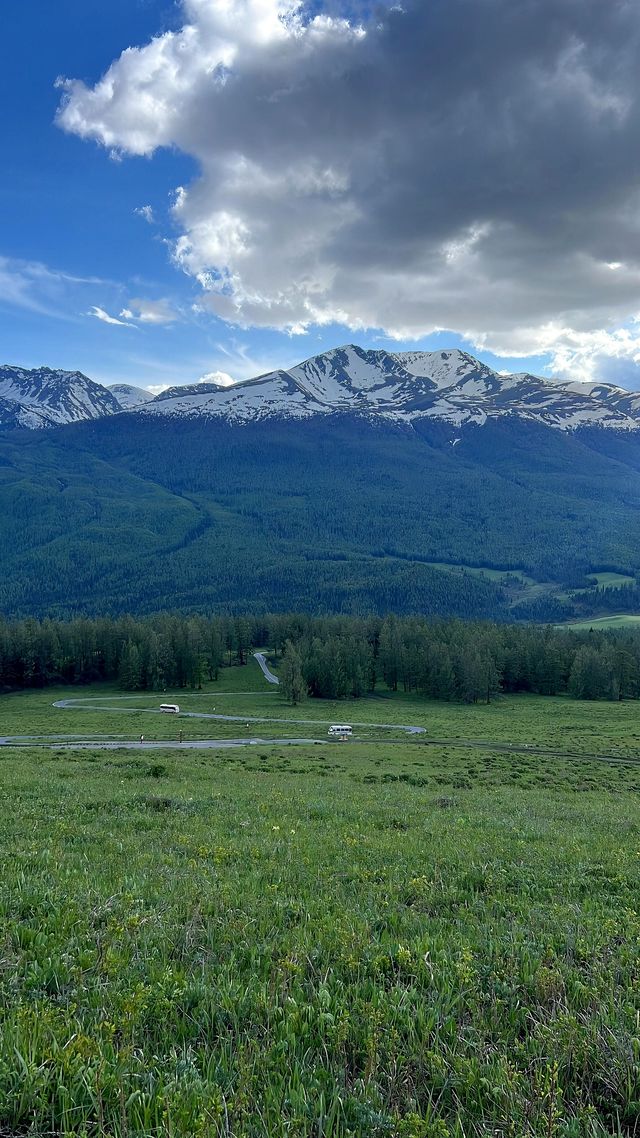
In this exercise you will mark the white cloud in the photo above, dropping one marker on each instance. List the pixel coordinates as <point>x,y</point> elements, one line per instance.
<point>150,311</point>
<point>100,314</point>
<point>146,213</point>
<point>470,167</point>
<point>608,356</point>
<point>222,378</point>
<point>39,288</point>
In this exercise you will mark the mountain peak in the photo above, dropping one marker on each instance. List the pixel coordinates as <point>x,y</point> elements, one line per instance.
<point>449,385</point>
<point>129,396</point>
<point>53,397</point>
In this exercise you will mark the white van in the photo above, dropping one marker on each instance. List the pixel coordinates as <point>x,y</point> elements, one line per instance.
<point>339,731</point>
<point>172,708</point>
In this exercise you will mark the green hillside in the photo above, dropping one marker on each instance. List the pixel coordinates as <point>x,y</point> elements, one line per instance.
<point>138,514</point>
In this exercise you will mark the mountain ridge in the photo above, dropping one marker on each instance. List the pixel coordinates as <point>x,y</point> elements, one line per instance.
<point>450,385</point>
<point>356,481</point>
<point>48,397</point>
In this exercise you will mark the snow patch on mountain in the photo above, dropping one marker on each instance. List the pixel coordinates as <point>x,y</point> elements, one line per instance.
<point>56,396</point>
<point>273,395</point>
<point>338,377</point>
<point>129,396</point>
<point>13,415</point>
<point>444,369</point>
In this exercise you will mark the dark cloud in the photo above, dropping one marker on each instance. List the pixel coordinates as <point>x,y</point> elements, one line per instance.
<point>462,164</point>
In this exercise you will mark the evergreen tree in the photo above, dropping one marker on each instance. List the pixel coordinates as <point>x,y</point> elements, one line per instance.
<point>589,677</point>
<point>292,682</point>
<point>130,671</point>
<point>390,652</point>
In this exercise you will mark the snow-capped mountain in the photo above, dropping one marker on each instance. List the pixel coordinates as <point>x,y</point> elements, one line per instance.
<point>129,396</point>
<point>404,387</point>
<point>13,414</point>
<point>273,395</point>
<point>43,397</point>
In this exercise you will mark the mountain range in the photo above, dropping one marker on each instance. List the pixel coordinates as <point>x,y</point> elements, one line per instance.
<point>44,397</point>
<point>448,386</point>
<point>356,481</point>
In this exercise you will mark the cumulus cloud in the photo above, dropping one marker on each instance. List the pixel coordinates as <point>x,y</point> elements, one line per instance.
<point>150,311</point>
<point>222,378</point>
<point>100,314</point>
<point>470,166</point>
<point>607,356</point>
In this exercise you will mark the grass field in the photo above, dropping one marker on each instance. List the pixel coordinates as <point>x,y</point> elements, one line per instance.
<point>482,571</point>
<point>620,620</point>
<point>611,580</point>
<point>556,722</point>
<point>367,939</point>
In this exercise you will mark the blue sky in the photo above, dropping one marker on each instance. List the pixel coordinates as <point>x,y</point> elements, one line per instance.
<point>90,278</point>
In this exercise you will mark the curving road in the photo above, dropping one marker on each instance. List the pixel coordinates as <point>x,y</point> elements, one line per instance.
<point>121,742</point>
<point>269,676</point>
<point>86,705</point>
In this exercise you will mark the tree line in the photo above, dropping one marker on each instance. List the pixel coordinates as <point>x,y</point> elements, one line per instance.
<point>465,662</point>
<point>338,657</point>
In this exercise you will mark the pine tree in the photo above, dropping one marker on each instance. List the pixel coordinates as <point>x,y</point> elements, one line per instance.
<point>391,652</point>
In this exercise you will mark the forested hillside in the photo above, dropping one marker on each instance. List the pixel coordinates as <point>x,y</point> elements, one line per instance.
<point>342,515</point>
<point>327,657</point>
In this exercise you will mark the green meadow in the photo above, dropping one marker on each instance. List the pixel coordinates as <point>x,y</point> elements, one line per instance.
<point>618,620</point>
<point>373,938</point>
<point>610,580</point>
<point>102,710</point>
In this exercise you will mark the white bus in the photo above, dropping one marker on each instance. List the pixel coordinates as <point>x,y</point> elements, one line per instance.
<point>340,731</point>
<point>172,708</point>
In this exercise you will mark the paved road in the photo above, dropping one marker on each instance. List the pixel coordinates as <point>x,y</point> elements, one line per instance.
<point>85,705</point>
<point>190,745</point>
<point>269,676</point>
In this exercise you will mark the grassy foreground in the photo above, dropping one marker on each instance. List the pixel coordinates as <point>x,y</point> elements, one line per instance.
<point>368,939</point>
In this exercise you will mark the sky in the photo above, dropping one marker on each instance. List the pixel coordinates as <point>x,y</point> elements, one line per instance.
<point>215,188</point>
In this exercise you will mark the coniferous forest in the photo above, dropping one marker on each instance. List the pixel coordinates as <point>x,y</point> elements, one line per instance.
<point>325,657</point>
<point>117,516</point>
